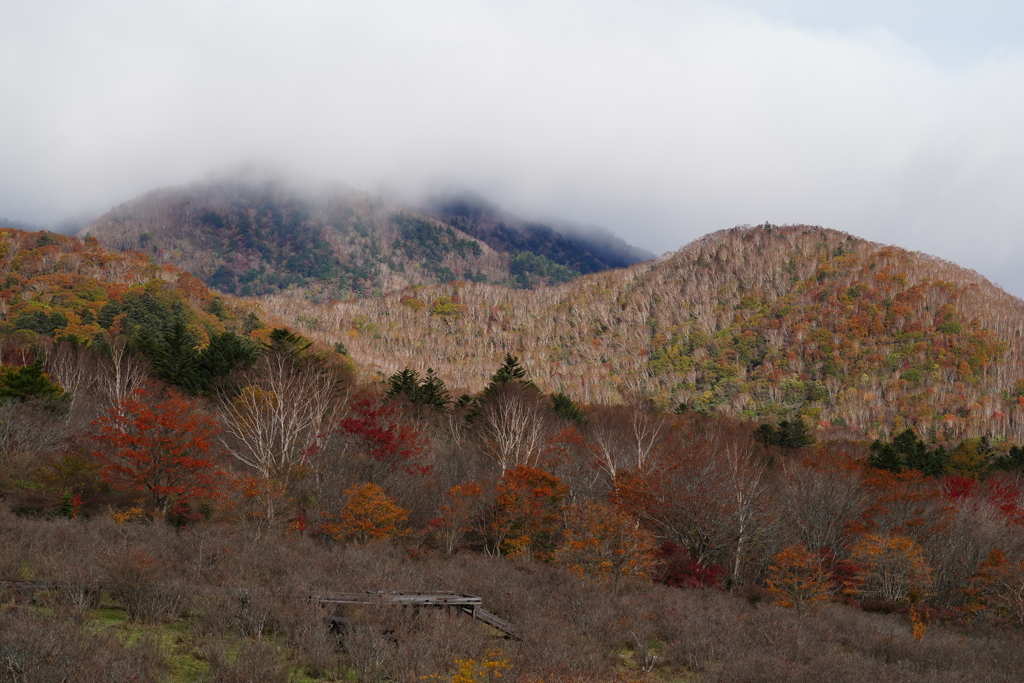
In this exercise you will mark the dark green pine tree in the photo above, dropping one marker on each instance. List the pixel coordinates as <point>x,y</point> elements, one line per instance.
<point>768,434</point>
<point>567,409</point>
<point>226,353</point>
<point>510,371</point>
<point>433,391</point>
<point>252,323</point>
<point>788,434</point>
<point>176,359</point>
<point>404,383</point>
<point>1013,460</point>
<point>218,308</point>
<point>283,340</point>
<point>917,456</point>
<point>795,434</point>
<point>884,457</point>
<point>28,381</point>
<point>908,451</point>
<point>428,391</point>
<point>110,310</point>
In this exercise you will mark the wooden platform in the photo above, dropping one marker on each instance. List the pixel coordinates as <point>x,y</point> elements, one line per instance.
<point>470,605</point>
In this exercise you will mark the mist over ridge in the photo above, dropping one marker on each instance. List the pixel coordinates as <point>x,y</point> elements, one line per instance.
<point>250,236</point>
<point>660,121</point>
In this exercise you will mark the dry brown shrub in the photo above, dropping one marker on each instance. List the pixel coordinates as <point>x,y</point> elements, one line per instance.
<point>145,588</point>
<point>54,649</point>
<point>252,661</point>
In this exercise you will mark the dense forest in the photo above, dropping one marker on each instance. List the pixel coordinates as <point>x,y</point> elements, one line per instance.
<point>178,468</point>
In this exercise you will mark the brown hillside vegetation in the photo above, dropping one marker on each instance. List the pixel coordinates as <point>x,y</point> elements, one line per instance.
<point>572,631</point>
<point>755,322</point>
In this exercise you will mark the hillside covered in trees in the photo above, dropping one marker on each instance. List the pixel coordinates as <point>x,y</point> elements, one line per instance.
<point>253,239</point>
<point>760,323</point>
<point>181,476</point>
<point>584,250</point>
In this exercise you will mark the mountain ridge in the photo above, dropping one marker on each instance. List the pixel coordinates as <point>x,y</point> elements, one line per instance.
<point>251,238</point>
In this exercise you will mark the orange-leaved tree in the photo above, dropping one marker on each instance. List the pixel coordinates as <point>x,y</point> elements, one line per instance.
<point>798,579</point>
<point>892,568</point>
<point>259,503</point>
<point>998,586</point>
<point>604,543</point>
<point>527,512</point>
<point>159,443</point>
<point>369,515</point>
<point>489,669</point>
<point>462,504</point>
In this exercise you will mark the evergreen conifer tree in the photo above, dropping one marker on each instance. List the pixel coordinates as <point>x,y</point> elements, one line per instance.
<point>567,409</point>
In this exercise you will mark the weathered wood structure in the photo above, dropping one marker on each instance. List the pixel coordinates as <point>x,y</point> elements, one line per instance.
<point>470,605</point>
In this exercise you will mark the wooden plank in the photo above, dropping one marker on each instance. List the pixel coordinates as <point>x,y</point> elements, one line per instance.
<point>395,597</point>
<point>494,620</point>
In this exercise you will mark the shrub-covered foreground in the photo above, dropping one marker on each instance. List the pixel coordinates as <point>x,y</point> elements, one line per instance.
<point>165,617</point>
<point>204,469</point>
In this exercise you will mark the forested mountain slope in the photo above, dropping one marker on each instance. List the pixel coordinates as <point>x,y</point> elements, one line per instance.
<point>585,250</point>
<point>255,239</point>
<point>756,322</point>
<point>59,291</point>
<point>61,286</point>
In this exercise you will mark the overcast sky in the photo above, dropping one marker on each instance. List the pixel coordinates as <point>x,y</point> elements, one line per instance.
<point>901,122</point>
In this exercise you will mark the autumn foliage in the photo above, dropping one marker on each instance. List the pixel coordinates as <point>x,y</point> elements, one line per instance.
<point>603,543</point>
<point>894,569</point>
<point>760,323</point>
<point>527,512</point>
<point>369,515</point>
<point>916,517</point>
<point>678,568</point>
<point>461,507</point>
<point>797,579</point>
<point>160,444</point>
<point>384,436</point>
<point>998,587</point>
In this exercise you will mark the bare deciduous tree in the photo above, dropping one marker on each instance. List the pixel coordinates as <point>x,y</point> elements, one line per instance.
<point>747,485</point>
<point>285,407</point>
<point>512,422</point>
<point>818,504</point>
<point>73,367</point>
<point>121,373</point>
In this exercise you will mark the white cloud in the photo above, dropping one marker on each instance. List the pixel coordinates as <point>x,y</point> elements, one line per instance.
<point>661,121</point>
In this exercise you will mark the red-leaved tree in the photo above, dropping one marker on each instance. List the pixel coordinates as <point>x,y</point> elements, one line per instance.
<point>159,443</point>
<point>382,434</point>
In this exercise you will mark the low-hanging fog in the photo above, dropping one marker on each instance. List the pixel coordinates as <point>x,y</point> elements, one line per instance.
<point>658,120</point>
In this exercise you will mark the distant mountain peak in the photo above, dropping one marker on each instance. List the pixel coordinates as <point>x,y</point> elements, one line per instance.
<point>253,237</point>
